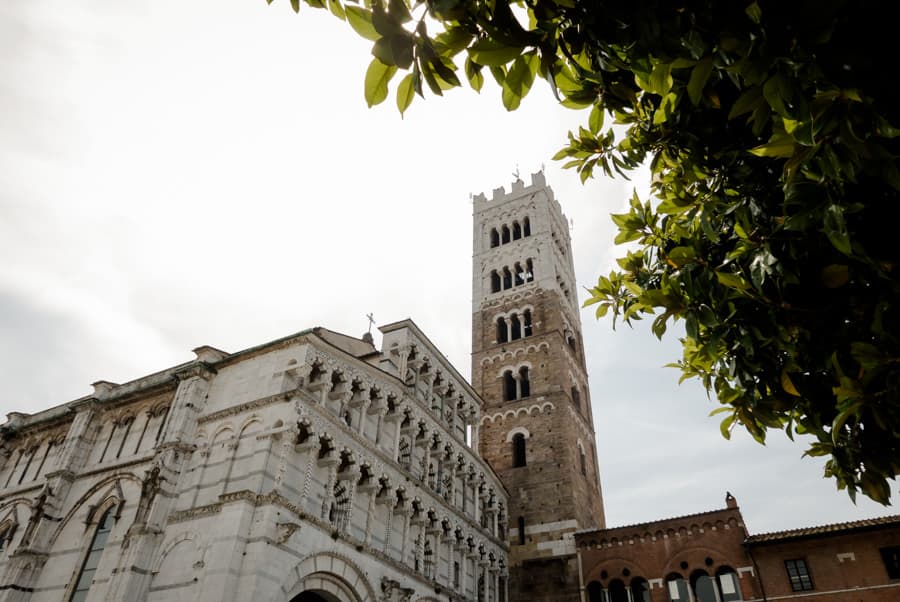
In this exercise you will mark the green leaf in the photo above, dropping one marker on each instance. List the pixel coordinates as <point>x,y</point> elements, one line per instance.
<point>360,20</point>
<point>780,145</point>
<point>732,280</point>
<point>727,425</point>
<point>754,12</point>
<point>746,102</point>
<point>681,256</point>
<point>337,9</point>
<point>394,50</point>
<point>787,384</point>
<point>519,80</point>
<point>376,85</point>
<point>405,93</point>
<point>474,75</point>
<point>836,229</point>
<point>490,53</point>
<point>660,81</point>
<point>699,76</point>
<point>595,121</point>
<point>398,10</point>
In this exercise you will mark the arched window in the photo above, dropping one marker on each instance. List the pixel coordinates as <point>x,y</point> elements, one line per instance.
<point>640,590</point>
<point>517,231</point>
<point>677,588</point>
<point>704,587</point>
<point>518,450</point>
<point>502,331</point>
<point>495,238</point>
<point>507,278</point>
<point>128,422</point>
<point>6,535</point>
<point>519,274</point>
<point>526,323</point>
<point>582,461</point>
<point>617,591</point>
<point>509,386</point>
<point>526,226</point>
<point>729,586</point>
<point>524,383</point>
<point>495,281</point>
<point>576,397</point>
<point>521,526</point>
<point>505,234</point>
<point>529,271</point>
<point>516,329</point>
<point>92,560</point>
<point>31,455</point>
<point>595,592</point>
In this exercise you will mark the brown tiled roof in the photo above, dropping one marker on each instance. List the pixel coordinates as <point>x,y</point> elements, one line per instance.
<point>823,530</point>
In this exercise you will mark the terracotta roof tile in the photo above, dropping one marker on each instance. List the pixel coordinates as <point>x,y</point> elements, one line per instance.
<point>835,528</point>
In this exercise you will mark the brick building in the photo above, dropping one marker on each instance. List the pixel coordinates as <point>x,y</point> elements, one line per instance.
<point>710,557</point>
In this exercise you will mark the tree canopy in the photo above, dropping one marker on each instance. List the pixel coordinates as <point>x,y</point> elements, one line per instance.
<point>769,130</point>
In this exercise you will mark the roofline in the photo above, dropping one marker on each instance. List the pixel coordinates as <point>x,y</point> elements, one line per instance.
<point>820,531</point>
<point>657,521</point>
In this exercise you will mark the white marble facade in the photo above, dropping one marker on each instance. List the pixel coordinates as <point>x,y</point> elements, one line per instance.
<point>314,467</point>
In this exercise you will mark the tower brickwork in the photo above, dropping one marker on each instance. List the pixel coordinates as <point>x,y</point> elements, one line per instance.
<point>528,366</point>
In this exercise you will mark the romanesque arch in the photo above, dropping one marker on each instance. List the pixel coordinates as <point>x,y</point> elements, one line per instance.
<point>328,576</point>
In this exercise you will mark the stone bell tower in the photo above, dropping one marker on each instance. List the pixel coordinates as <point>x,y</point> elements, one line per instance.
<point>528,365</point>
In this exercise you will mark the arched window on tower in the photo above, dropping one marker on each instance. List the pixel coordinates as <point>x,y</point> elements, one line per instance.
<point>519,274</point>
<point>515,328</point>
<point>518,450</point>
<point>576,397</point>
<point>92,560</point>
<point>524,383</point>
<point>507,279</point>
<point>529,271</point>
<point>495,281</point>
<point>495,238</point>
<point>505,234</point>
<point>526,226</point>
<point>517,231</point>
<point>521,526</point>
<point>509,386</point>
<point>502,331</point>
<point>526,323</point>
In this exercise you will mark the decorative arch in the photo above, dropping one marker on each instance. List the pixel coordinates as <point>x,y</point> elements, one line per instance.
<point>519,430</point>
<point>113,489</point>
<point>330,572</point>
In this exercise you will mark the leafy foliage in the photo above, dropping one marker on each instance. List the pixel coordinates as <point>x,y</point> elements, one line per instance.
<point>768,129</point>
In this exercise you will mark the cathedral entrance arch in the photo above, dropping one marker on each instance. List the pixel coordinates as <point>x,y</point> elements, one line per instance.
<point>327,577</point>
<point>316,596</point>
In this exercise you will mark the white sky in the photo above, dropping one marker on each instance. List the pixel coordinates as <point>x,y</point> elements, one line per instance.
<point>175,174</point>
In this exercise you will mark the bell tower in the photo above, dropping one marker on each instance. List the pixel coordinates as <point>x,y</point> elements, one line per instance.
<point>528,365</point>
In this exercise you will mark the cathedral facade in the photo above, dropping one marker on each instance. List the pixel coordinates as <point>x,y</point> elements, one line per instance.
<point>312,468</point>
